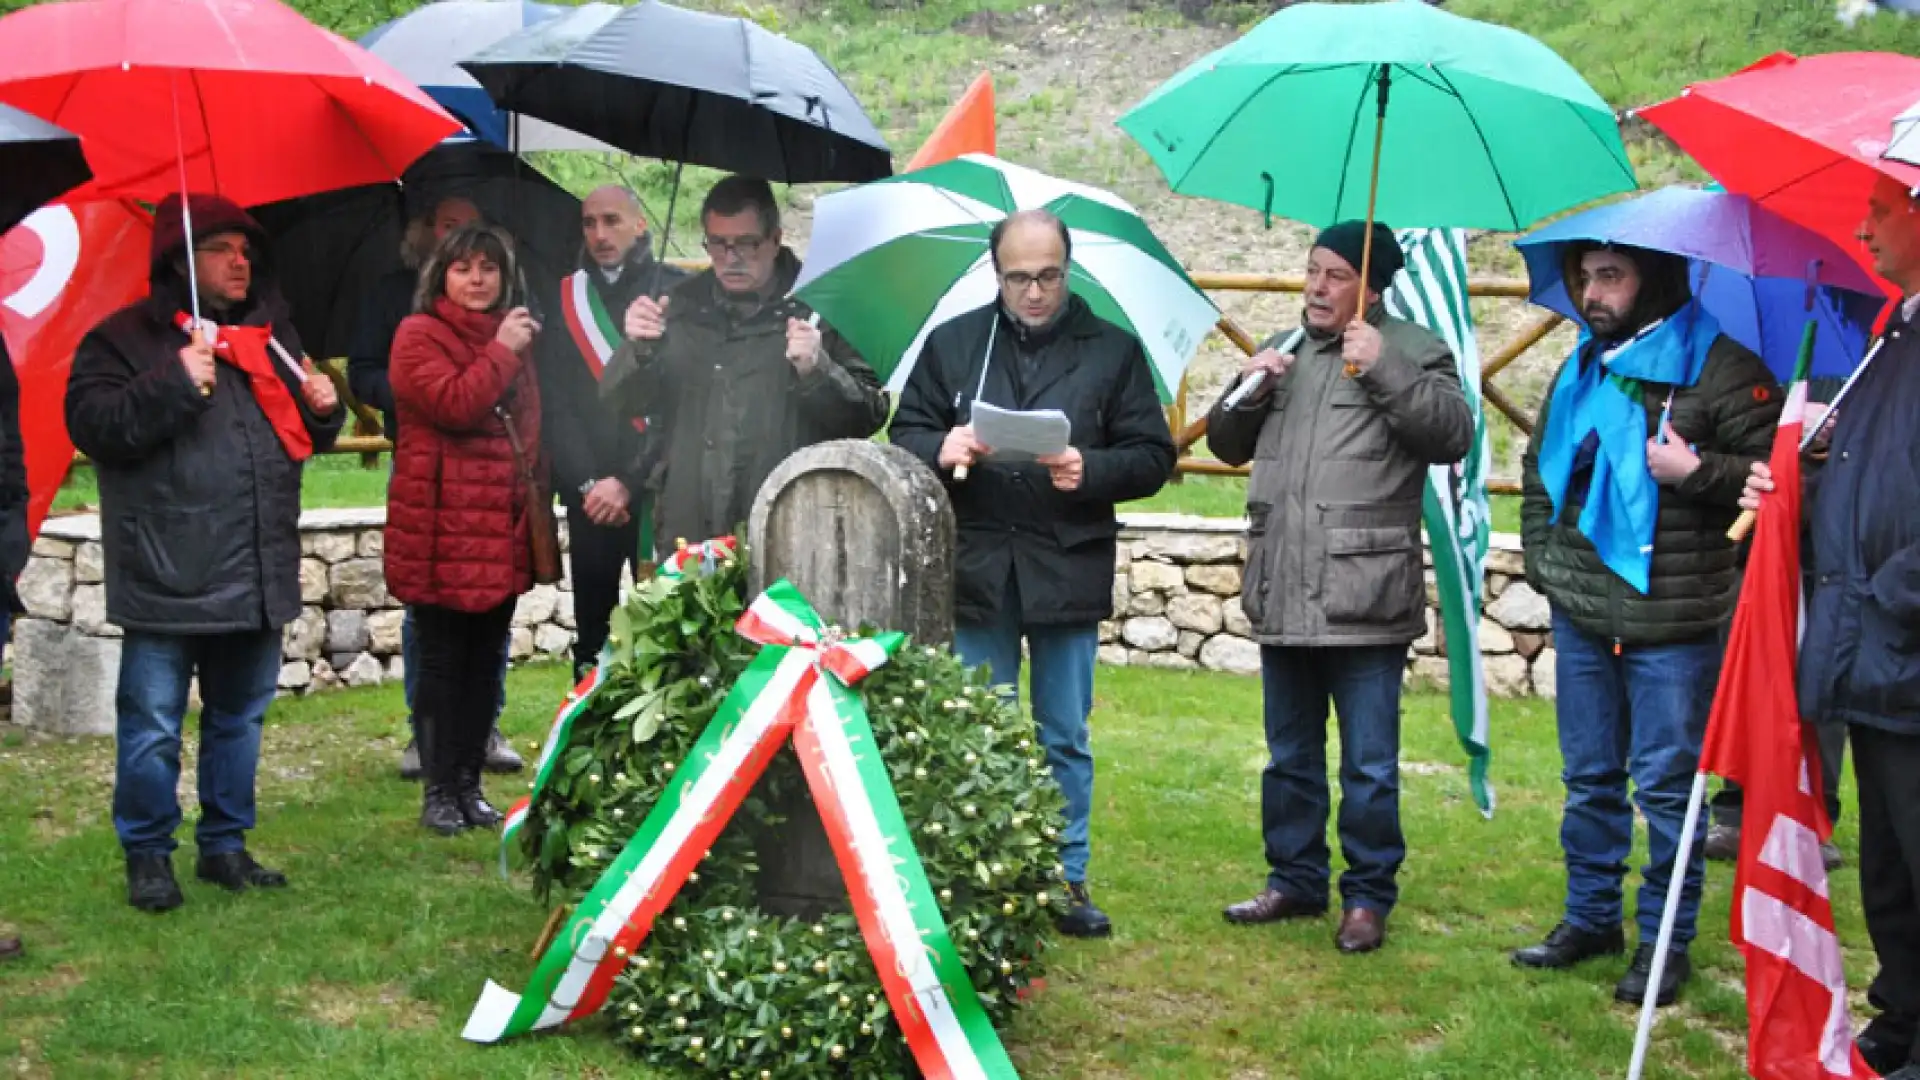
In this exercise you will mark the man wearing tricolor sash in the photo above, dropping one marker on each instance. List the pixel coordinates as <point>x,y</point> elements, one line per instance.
<point>599,459</point>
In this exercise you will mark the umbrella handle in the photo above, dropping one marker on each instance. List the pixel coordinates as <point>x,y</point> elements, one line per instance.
<point>1373,199</point>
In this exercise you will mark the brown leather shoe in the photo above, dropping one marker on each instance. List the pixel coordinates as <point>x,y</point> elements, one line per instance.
<point>1361,931</point>
<point>1272,905</point>
<point>11,948</point>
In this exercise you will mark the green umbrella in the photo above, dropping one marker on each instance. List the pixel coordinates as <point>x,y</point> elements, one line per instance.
<point>1458,123</point>
<point>891,260</point>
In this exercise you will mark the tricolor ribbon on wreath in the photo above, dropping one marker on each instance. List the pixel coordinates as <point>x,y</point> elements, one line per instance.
<point>702,557</point>
<point>797,688</point>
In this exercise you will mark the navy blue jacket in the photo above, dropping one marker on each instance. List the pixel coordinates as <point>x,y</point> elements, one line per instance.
<point>1860,658</point>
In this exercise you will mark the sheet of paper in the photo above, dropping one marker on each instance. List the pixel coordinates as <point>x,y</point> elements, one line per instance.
<point>1021,436</point>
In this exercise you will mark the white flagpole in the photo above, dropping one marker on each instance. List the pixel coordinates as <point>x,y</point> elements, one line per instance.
<point>1676,881</point>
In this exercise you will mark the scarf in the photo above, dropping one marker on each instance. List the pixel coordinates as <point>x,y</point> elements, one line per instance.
<point>476,328</point>
<point>1598,412</point>
<point>245,348</point>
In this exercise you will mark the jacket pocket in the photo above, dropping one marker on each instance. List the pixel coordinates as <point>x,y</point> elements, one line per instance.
<point>1372,576</point>
<point>1359,428</point>
<point>172,551</point>
<point>1886,667</point>
<point>1254,583</point>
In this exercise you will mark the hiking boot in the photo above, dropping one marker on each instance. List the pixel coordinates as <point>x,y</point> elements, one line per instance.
<point>1568,945</point>
<point>410,761</point>
<point>474,808</point>
<point>235,871</point>
<point>1082,919</point>
<point>1831,857</point>
<point>1632,988</point>
<point>500,755</point>
<point>150,883</point>
<point>440,811</point>
<point>1723,843</point>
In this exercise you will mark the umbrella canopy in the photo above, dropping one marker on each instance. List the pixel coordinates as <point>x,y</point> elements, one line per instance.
<point>260,103</point>
<point>664,82</point>
<point>1905,146</point>
<point>1803,135</point>
<point>1755,271</point>
<point>347,240</point>
<point>427,44</point>
<point>1485,127</point>
<point>38,164</point>
<point>890,261</point>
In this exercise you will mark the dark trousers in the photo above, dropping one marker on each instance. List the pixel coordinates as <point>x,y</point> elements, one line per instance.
<point>1363,682</point>
<point>1885,766</point>
<point>458,686</point>
<point>596,554</point>
<point>1832,743</point>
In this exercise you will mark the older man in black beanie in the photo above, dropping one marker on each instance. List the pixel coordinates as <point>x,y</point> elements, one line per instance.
<point>1341,418</point>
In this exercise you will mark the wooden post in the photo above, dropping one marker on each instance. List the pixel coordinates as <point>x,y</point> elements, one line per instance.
<point>864,530</point>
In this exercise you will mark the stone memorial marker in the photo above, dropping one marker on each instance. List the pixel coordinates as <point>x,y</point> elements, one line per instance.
<point>865,532</point>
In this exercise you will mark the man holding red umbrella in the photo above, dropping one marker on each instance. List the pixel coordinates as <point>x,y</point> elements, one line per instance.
<point>198,435</point>
<point>1860,653</point>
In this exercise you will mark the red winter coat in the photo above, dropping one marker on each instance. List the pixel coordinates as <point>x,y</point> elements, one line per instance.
<point>457,533</point>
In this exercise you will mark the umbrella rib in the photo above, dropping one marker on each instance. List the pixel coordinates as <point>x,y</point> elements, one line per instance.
<point>1353,132</point>
<point>1478,133</point>
<point>1231,117</point>
<point>1626,167</point>
<point>357,129</point>
<point>206,131</point>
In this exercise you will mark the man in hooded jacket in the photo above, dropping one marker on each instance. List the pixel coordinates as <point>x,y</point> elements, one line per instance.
<point>198,434</point>
<point>1630,482</point>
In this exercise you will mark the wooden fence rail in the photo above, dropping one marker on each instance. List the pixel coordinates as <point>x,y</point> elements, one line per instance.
<point>368,441</point>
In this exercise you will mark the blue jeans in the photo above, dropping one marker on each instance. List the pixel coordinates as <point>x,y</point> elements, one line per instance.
<point>1638,715</point>
<point>238,676</point>
<point>410,668</point>
<point>1061,692</point>
<point>1363,682</point>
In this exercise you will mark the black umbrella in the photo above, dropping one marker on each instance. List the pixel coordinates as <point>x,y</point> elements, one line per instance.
<point>38,164</point>
<point>330,247</point>
<point>663,82</point>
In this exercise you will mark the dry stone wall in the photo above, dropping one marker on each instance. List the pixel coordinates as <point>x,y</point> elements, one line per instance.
<point>1176,599</point>
<point>1176,602</point>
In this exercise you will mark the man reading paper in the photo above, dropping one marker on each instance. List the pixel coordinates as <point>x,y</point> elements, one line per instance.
<point>1036,538</point>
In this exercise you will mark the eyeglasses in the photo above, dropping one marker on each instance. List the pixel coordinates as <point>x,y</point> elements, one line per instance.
<point>744,247</point>
<point>1048,280</point>
<point>228,250</point>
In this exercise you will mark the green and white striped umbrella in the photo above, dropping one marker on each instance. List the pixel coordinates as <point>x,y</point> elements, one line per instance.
<point>893,259</point>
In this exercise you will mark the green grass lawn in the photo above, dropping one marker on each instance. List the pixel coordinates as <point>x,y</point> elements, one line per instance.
<point>368,965</point>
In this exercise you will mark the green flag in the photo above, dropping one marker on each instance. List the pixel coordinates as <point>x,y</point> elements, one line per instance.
<point>1432,291</point>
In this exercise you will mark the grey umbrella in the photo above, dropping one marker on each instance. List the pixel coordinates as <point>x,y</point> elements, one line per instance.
<point>38,163</point>
<point>664,82</point>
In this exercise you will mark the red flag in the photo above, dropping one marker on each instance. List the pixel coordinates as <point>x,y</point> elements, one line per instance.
<point>968,127</point>
<point>1797,1022</point>
<point>61,271</point>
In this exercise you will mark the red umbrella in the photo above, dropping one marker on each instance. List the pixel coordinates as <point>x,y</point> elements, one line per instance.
<point>1803,135</point>
<point>257,102</point>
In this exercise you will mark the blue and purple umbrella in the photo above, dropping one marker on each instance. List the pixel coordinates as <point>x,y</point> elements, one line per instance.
<point>1751,268</point>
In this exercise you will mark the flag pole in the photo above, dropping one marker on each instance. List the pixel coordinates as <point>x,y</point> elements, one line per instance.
<point>1676,881</point>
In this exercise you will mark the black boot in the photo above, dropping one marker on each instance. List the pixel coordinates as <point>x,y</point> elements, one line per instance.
<point>1082,919</point>
<point>1632,988</point>
<point>474,808</point>
<point>440,810</point>
<point>1568,945</point>
<point>236,871</point>
<point>150,883</point>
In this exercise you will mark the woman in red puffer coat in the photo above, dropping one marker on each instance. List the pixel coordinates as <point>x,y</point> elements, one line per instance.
<point>458,543</point>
